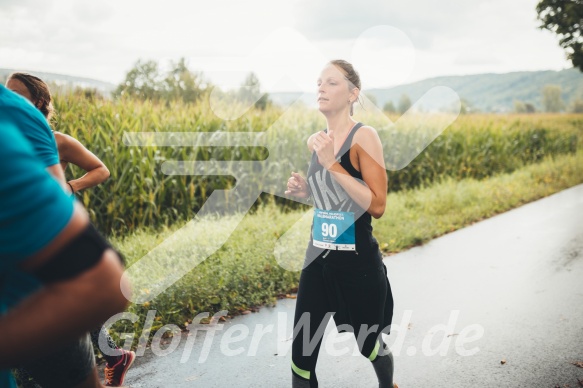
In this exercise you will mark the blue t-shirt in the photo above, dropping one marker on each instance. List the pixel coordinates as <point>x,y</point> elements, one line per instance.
<point>34,208</point>
<point>32,124</point>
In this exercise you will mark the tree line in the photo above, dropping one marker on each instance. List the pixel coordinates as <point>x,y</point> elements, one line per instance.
<point>147,81</point>
<point>552,102</point>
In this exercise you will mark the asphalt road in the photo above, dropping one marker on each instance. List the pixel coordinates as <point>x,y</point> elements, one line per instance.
<point>496,304</point>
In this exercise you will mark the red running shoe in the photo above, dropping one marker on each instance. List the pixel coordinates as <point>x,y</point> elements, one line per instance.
<point>115,375</point>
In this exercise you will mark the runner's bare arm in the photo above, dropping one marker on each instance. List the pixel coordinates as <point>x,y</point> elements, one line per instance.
<point>372,166</point>
<point>72,151</point>
<point>66,309</point>
<point>373,195</point>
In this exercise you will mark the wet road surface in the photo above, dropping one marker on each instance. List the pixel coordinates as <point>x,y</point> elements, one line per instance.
<point>496,304</point>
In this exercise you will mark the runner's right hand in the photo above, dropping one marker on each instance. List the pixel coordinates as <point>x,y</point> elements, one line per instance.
<point>297,186</point>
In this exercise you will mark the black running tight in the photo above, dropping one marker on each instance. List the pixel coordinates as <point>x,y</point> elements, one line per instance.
<point>358,297</point>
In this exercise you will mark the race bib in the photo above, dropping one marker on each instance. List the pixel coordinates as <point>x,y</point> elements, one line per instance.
<point>334,230</point>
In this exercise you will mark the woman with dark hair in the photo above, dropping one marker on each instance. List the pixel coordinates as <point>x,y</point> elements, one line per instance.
<point>343,274</point>
<point>70,149</point>
<point>118,361</point>
<point>58,276</point>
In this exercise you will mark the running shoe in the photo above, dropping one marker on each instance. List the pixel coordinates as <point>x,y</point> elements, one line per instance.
<point>115,375</point>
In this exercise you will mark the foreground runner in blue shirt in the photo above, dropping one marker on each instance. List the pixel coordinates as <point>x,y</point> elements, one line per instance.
<point>44,233</point>
<point>71,151</point>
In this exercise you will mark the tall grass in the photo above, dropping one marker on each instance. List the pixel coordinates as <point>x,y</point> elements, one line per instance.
<point>479,146</point>
<point>138,194</point>
<point>245,271</point>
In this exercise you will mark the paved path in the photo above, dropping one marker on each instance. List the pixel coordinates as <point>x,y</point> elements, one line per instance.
<point>508,288</point>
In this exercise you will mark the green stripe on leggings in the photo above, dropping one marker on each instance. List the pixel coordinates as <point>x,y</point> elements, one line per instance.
<point>375,352</point>
<point>300,372</point>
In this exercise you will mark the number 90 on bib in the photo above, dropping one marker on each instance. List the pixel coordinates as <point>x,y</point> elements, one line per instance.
<point>334,230</point>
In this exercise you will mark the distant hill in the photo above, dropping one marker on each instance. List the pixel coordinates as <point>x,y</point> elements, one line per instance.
<point>483,92</point>
<point>493,92</point>
<point>65,81</point>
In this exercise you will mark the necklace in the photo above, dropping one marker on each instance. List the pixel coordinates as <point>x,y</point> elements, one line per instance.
<point>345,137</point>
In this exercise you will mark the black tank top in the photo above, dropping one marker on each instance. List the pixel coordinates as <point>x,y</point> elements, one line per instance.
<point>328,194</point>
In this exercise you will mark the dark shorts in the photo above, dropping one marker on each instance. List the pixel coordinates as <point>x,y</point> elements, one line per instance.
<point>67,367</point>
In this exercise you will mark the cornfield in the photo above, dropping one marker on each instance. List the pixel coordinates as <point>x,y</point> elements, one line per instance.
<point>141,192</point>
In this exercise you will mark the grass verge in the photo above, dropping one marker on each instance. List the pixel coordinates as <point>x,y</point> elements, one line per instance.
<point>245,272</point>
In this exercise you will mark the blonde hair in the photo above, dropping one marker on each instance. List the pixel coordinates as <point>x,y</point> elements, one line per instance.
<point>351,75</point>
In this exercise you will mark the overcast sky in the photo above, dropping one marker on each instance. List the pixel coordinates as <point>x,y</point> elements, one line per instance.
<point>285,42</point>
